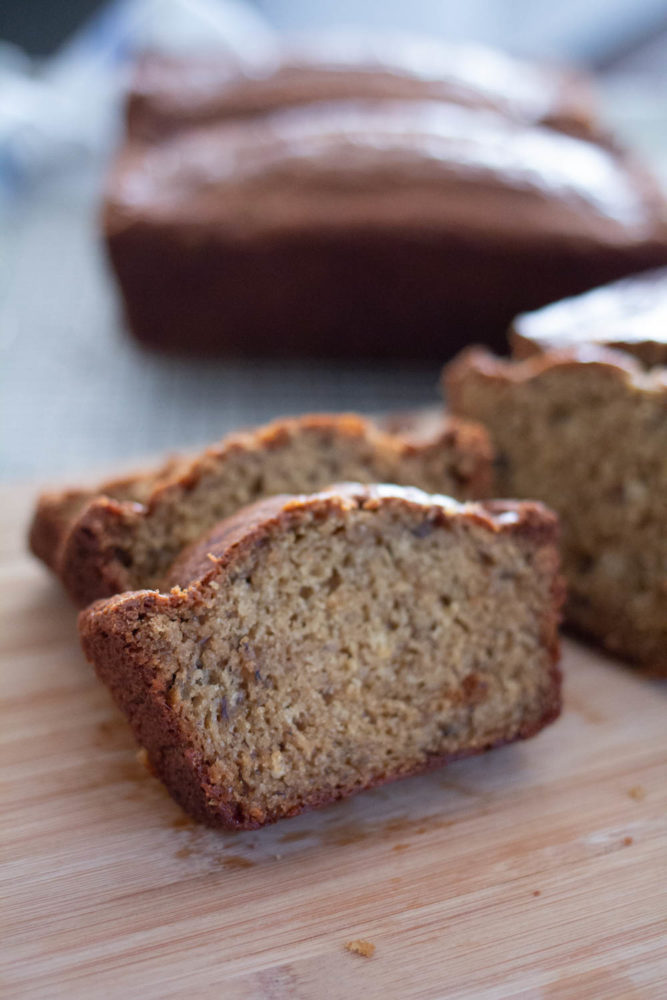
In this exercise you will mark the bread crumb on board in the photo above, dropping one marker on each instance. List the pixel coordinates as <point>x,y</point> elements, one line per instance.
<point>144,760</point>
<point>360,947</point>
<point>637,793</point>
<point>627,841</point>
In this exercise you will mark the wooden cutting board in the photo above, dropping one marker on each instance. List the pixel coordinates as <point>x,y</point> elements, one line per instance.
<point>537,871</point>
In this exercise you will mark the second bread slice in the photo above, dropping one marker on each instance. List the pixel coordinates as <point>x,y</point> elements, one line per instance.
<point>125,534</point>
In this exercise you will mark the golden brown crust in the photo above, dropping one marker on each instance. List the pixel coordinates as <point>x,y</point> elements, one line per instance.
<point>614,365</point>
<point>522,369</point>
<point>87,537</point>
<point>108,631</point>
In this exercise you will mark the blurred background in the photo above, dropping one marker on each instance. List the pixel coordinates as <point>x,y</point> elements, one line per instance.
<point>75,392</point>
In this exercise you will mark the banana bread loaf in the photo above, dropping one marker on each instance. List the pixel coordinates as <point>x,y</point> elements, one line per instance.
<point>125,534</point>
<point>364,229</point>
<point>319,645</point>
<point>585,430</point>
<point>171,93</point>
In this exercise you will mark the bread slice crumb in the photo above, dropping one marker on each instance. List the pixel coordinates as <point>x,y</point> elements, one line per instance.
<point>637,793</point>
<point>361,947</point>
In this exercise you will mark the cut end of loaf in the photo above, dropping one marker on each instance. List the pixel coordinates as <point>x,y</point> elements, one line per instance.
<point>585,430</point>
<point>329,643</point>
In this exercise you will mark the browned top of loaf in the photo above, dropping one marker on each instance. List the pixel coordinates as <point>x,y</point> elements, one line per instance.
<point>422,167</point>
<point>169,93</point>
<point>87,536</point>
<point>630,315</point>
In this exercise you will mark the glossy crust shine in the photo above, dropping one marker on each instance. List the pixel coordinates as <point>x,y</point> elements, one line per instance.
<point>141,688</point>
<point>628,315</point>
<point>169,93</point>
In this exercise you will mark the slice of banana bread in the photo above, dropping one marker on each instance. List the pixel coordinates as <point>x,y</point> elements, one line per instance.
<point>585,431</point>
<point>125,534</point>
<point>320,645</point>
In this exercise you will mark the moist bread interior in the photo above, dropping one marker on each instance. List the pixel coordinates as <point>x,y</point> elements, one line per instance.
<point>346,650</point>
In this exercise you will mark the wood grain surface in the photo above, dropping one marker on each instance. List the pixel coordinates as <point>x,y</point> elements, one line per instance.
<point>538,871</point>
